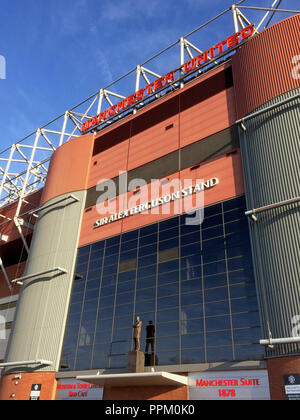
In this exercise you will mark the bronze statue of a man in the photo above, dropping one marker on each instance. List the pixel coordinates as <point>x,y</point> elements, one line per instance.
<point>137,329</point>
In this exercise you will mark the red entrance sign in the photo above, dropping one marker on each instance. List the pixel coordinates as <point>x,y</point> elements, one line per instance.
<point>189,66</point>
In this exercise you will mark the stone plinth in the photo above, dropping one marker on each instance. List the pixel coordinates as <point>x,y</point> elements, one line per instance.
<point>136,362</point>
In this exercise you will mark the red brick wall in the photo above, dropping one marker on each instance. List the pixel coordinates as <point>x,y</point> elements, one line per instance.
<point>22,390</point>
<point>170,393</point>
<point>277,369</point>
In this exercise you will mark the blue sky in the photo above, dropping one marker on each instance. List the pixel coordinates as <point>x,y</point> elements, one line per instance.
<point>58,52</point>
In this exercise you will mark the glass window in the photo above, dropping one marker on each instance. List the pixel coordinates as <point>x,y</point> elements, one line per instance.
<point>212,295</point>
<point>104,324</point>
<point>212,232</point>
<point>189,341</point>
<point>191,312</point>
<point>247,336</point>
<point>145,306</point>
<point>172,277</point>
<point>191,286</point>
<point>192,299</point>
<point>149,230</point>
<point>122,310</point>
<point>146,283</point>
<point>146,294</point>
<point>147,271</point>
<point>239,263</point>
<point>252,352</point>
<point>123,298</point>
<point>109,280</point>
<point>212,221</point>
<point>123,335</point>
<point>122,347</point>
<point>169,343</point>
<point>117,362</point>
<point>148,260</point>
<point>127,246</point>
<point>102,350</point>
<point>234,215</point>
<point>168,266</point>
<point>219,354</point>
<point>191,249</point>
<point>123,322</point>
<point>75,308</point>
<point>211,255</point>
<point>241,276</point>
<point>168,315</point>
<point>169,244</point>
<point>110,270</point>
<point>89,316</point>
<point>105,312</point>
<point>239,305</point>
<point>168,224</point>
<point>112,250</point>
<point>98,246</point>
<point>192,326</point>
<point>190,238</point>
<point>108,291</point>
<point>127,276</point>
<point>222,338</point>
<point>192,356</point>
<point>148,240</point>
<point>218,323</point>
<point>112,259</point>
<point>191,261</point>
<point>82,364</point>
<point>217,308</point>
<point>235,203</point>
<point>126,287</point>
<point>168,302</point>
<point>217,280</point>
<point>214,268</point>
<point>242,290</point>
<point>191,272</point>
<point>115,241</point>
<point>148,250</point>
<point>103,337</point>
<point>84,251</point>
<point>168,358</point>
<point>170,289</point>
<point>130,236</point>
<point>130,255</point>
<point>236,226</point>
<point>244,320</point>
<point>186,229</point>
<point>165,330</point>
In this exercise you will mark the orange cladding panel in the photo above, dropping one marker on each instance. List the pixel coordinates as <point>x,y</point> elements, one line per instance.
<point>69,168</point>
<point>228,169</point>
<point>207,117</point>
<point>263,68</point>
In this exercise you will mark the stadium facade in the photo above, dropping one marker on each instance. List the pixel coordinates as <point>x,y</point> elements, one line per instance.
<point>223,292</point>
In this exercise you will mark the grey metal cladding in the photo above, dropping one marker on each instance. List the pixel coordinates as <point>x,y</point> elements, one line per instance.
<point>42,309</point>
<point>270,149</point>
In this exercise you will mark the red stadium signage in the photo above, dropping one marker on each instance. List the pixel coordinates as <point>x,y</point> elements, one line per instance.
<point>158,84</point>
